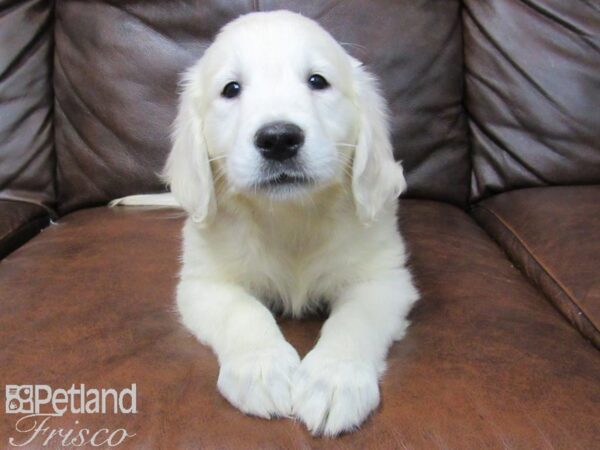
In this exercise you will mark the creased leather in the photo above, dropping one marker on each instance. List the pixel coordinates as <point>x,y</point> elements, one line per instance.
<point>26,143</point>
<point>532,92</point>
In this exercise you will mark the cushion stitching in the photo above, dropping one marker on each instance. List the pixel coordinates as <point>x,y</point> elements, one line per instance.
<point>540,264</point>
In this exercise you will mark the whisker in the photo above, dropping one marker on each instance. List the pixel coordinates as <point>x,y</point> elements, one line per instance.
<point>217,157</point>
<point>345,144</point>
<point>344,161</point>
<point>350,44</point>
<point>347,172</point>
<point>312,201</point>
<point>220,175</point>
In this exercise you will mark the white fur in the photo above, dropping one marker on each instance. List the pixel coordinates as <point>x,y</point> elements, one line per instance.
<point>247,250</point>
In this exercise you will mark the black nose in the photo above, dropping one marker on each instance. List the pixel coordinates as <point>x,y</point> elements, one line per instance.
<point>279,140</point>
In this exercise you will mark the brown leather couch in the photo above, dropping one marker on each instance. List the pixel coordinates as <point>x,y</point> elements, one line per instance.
<point>496,119</point>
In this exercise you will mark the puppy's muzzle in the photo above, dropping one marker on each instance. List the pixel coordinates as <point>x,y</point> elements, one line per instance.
<point>279,140</point>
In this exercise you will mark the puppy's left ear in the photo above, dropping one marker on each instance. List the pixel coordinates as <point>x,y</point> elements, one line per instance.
<point>377,179</point>
<point>188,170</point>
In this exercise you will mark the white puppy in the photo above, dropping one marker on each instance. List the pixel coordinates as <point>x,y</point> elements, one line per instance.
<point>282,159</point>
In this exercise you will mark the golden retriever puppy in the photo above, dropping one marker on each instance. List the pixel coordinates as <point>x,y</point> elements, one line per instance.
<point>282,159</point>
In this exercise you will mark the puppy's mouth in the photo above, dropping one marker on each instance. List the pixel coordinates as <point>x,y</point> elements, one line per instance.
<point>286,179</point>
<point>285,183</point>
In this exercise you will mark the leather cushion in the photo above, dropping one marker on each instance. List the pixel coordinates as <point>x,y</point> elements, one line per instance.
<point>487,362</point>
<point>532,80</point>
<point>117,67</point>
<point>26,143</point>
<point>19,222</point>
<point>553,235</point>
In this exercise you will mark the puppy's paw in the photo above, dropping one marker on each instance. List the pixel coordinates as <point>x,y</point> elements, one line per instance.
<point>258,382</point>
<point>332,395</point>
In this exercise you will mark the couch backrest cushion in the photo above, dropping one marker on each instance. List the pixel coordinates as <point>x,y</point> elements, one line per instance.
<point>533,93</point>
<point>117,67</point>
<point>26,149</point>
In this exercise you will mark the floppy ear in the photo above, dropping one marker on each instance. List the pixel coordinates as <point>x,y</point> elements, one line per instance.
<point>377,179</point>
<point>187,170</point>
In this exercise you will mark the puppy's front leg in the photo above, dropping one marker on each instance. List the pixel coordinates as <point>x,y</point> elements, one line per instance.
<point>256,362</point>
<point>336,386</point>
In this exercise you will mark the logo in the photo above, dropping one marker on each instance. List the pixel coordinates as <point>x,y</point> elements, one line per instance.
<point>19,399</point>
<point>38,404</point>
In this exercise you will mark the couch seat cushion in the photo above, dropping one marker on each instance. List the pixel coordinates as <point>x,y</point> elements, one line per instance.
<point>553,235</point>
<point>487,362</point>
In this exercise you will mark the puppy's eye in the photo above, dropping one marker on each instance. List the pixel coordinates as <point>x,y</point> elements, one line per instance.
<point>231,90</point>
<point>317,82</point>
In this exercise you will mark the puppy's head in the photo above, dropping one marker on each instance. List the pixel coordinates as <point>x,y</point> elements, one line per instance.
<point>276,108</point>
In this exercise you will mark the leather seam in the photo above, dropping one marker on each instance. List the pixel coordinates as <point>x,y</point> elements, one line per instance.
<point>43,219</point>
<point>544,269</point>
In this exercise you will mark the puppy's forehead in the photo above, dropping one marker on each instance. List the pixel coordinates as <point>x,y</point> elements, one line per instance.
<point>275,24</point>
<point>275,35</point>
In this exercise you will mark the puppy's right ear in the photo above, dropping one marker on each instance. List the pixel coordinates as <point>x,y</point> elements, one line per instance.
<point>377,179</point>
<point>187,170</point>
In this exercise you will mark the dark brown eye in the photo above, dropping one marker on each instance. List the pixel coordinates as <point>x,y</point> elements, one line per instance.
<point>231,90</point>
<point>317,82</point>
